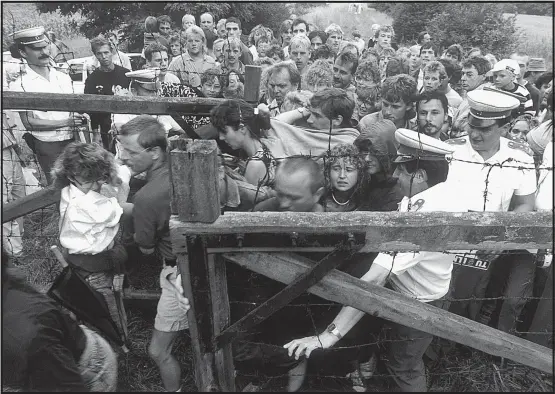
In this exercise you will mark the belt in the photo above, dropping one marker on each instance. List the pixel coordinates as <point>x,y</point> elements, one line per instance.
<point>170,262</point>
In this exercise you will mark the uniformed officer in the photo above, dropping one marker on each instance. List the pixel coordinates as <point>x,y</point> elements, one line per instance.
<point>494,174</point>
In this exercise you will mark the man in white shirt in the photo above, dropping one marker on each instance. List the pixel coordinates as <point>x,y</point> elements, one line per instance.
<point>424,276</point>
<point>50,131</point>
<point>495,174</point>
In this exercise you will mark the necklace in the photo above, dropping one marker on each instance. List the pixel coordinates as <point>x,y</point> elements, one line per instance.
<point>340,203</point>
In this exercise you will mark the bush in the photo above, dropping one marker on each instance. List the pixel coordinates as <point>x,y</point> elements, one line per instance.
<point>24,15</point>
<point>409,19</point>
<point>475,25</point>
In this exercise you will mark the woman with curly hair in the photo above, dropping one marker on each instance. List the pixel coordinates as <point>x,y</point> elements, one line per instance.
<point>344,170</point>
<point>93,200</point>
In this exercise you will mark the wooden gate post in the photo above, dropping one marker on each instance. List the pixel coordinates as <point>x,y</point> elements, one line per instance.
<point>195,198</point>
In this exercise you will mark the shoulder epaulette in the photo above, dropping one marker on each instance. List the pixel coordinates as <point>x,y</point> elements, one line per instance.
<point>456,141</point>
<point>523,147</point>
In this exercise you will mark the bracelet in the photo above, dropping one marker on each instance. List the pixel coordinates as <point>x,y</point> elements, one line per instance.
<point>301,112</point>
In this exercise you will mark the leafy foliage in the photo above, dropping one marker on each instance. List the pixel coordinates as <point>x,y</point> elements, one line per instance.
<point>480,25</point>
<point>530,8</point>
<point>409,19</point>
<point>129,17</point>
<point>17,16</point>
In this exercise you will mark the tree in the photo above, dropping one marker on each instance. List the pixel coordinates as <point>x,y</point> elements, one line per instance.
<point>480,25</point>
<point>409,19</point>
<point>129,17</point>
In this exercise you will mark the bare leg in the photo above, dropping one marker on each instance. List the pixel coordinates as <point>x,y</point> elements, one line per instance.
<point>160,349</point>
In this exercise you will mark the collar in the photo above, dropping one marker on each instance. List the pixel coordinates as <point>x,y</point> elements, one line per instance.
<point>34,75</point>
<point>158,171</point>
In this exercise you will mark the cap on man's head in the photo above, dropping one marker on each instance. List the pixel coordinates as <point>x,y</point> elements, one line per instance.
<point>32,36</point>
<point>537,64</point>
<point>487,106</point>
<point>414,145</point>
<point>146,77</point>
<point>508,65</point>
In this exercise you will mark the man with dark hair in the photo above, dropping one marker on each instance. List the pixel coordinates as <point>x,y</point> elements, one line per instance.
<point>423,38</point>
<point>398,94</point>
<point>104,81</point>
<point>156,56</point>
<point>49,131</point>
<point>164,26</point>
<point>474,70</point>
<point>428,53</point>
<point>143,148</point>
<point>299,26</point>
<point>344,69</point>
<point>317,39</point>
<point>432,114</point>
<point>324,52</point>
<point>454,53</point>
<point>233,27</point>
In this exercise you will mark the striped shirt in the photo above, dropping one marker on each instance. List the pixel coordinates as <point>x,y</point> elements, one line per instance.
<point>525,98</point>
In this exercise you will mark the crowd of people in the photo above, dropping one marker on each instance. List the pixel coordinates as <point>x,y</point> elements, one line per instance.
<point>341,125</point>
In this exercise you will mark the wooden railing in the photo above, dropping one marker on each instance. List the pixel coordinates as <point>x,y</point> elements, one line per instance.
<point>203,236</point>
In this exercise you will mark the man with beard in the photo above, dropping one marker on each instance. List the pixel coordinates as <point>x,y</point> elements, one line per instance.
<point>431,112</point>
<point>104,80</point>
<point>474,70</point>
<point>49,131</point>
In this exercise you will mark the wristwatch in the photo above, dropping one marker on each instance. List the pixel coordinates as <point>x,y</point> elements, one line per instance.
<point>332,329</point>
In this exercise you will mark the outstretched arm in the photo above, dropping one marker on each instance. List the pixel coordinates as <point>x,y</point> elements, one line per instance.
<point>344,321</point>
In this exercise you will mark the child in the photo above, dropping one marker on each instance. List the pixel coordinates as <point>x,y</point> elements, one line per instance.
<point>93,194</point>
<point>344,169</point>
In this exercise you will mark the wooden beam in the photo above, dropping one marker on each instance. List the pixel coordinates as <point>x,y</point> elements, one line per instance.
<point>223,357</point>
<point>285,296</point>
<point>113,104</point>
<point>194,178</point>
<point>196,287</point>
<point>32,202</point>
<point>379,301</point>
<point>252,83</point>
<point>394,231</point>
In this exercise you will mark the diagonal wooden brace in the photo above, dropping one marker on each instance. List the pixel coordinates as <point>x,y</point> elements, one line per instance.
<point>301,284</point>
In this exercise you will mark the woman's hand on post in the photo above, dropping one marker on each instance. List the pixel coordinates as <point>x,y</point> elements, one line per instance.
<point>308,344</point>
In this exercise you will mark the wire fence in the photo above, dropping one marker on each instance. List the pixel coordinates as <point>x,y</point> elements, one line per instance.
<point>30,236</point>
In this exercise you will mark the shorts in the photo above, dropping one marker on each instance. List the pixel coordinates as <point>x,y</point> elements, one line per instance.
<point>98,364</point>
<point>170,317</point>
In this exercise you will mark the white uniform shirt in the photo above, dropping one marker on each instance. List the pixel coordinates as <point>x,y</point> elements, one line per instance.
<point>503,183</point>
<point>88,222</point>
<point>544,197</point>
<point>425,276</point>
<point>59,83</point>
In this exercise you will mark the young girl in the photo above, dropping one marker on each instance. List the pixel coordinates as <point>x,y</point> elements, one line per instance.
<point>93,194</point>
<point>344,170</point>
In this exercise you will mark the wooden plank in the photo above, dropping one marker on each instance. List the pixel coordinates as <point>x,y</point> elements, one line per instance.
<point>194,177</point>
<point>379,301</point>
<point>285,296</point>
<point>30,203</point>
<point>196,288</point>
<point>113,104</point>
<point>179,144</point>
<point>389,231</point>
<point>252,83</point>
<point>541,329</point>
<point>223,357</point>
